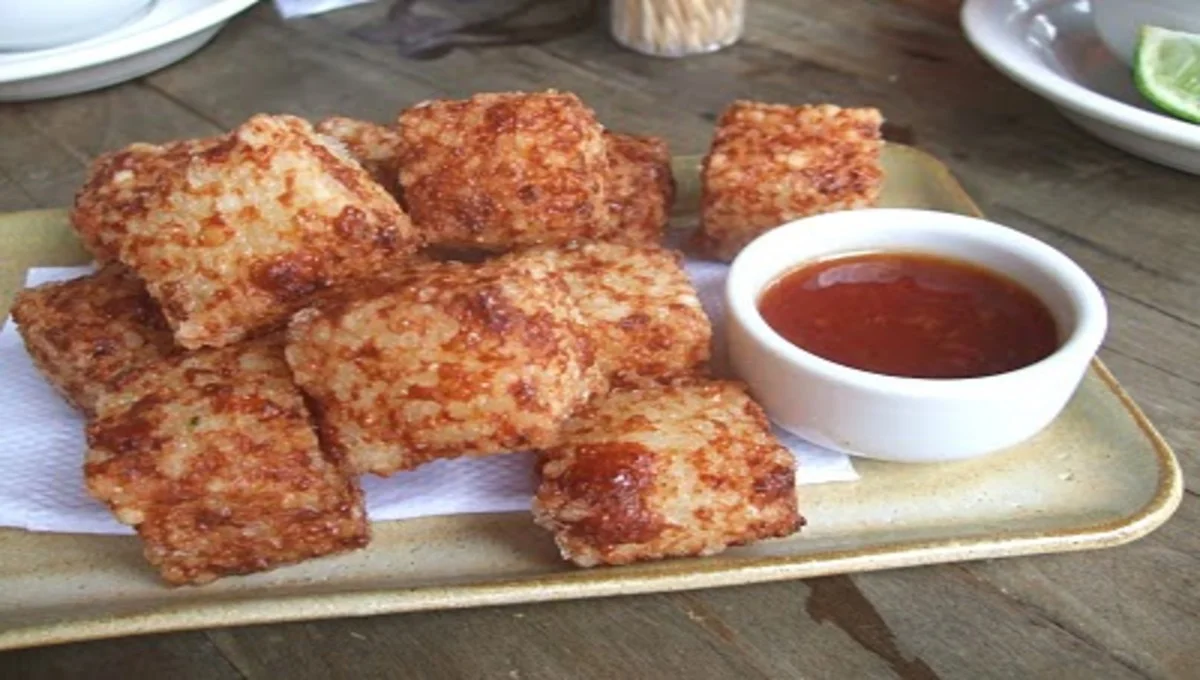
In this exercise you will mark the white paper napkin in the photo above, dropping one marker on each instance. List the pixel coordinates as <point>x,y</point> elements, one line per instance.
<point>42,447</point>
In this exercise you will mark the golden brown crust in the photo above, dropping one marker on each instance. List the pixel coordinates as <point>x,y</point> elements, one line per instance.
<point>641,188</point>
<point>450,360</point>
<point>770,164</point>
<point>212,457</point>
<point>638,307</point>
<point>376,147</point>
<point>675,471</point>
<point>234,233</point>
<point>503,170</point>
<point>83,334</point>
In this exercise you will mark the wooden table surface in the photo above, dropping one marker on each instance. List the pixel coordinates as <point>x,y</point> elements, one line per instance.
<point>1124,612</point>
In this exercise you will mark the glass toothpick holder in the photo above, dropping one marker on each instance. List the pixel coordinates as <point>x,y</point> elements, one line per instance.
<point>677,28</point>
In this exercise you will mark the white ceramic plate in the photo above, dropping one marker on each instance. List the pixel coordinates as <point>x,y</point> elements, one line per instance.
<point>1051,48</point>
<point>170,31</point>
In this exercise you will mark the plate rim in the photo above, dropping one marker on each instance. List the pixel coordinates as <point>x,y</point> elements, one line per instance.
<point>997,46</point>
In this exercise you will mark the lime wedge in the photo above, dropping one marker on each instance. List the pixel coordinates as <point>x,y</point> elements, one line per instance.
<point>1167,71</point>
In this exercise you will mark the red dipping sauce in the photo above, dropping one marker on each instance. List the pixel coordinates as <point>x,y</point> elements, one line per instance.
<point>910,315</point>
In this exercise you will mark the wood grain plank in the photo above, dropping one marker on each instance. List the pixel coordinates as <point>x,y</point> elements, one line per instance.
<point>912,622</point>
<point>180,656</point>
<point>793,631</point>
<point>256,66</point>
<point>963,629</point>
<point>1138,601</point>
<point>643,637</point>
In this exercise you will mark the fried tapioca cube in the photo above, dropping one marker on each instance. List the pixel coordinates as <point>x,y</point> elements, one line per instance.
<point>212,457</point>
<point>85,333</point>
<point>638,306</point>
<point>503,170</point>
<point>771,163</point>
<point>661,472</point>
<point>453,360</point>
<point>374,146</point>
<point>232,234</point>
<point>640,190</point>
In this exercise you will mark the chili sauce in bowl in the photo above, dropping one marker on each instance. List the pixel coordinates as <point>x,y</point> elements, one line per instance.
<point>910,314</point>
<point>909,335</point>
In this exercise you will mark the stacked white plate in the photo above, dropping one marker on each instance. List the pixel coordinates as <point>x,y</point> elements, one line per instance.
<point>1051,48</point>
<point>164,33</point>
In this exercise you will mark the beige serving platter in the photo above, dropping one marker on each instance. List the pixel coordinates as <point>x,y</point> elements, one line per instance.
<point>1099,476</point>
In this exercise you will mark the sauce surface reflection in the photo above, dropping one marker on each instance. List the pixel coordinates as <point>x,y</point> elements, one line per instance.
<point>910,315</point>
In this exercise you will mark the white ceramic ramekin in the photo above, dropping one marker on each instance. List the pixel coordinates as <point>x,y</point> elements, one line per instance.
<point>1119,22</point>
<point>910,419</point>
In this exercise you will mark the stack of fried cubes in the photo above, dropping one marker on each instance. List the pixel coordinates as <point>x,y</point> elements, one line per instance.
<point>283,308</point>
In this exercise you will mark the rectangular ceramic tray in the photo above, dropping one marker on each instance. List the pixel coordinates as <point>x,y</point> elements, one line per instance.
<point>1098,476</point>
